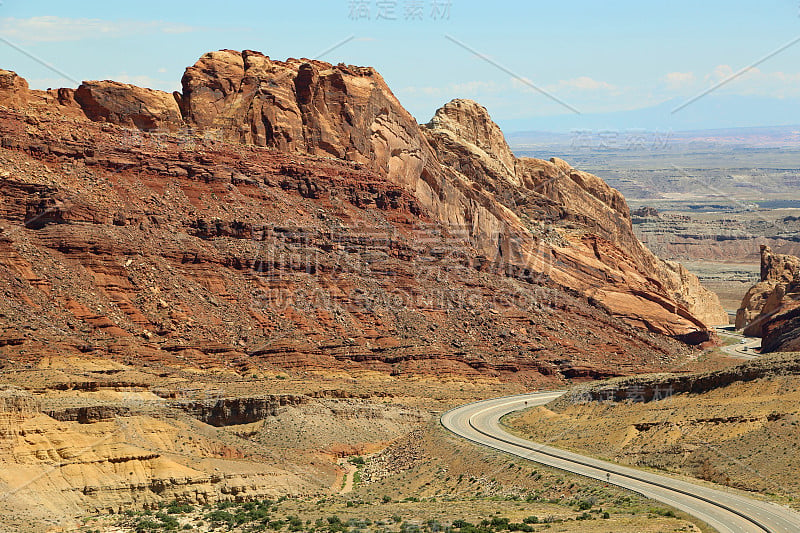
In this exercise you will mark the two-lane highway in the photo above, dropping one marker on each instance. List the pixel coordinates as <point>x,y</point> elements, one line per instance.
<point>744,349</point>
<point>724,511</point>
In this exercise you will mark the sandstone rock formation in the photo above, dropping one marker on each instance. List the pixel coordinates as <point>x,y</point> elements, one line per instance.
<point>356,182</point>
<point>128,105</point>
<point>542,196</point>
<point>319,108</point>
<point>14,90</point>
<point>764,299</point>
<point>781,332</point>
<point>156,451</point>
<point>154,247</point>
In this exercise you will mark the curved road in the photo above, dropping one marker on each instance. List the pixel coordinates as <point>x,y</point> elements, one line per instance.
<point>744,349</point>
<point>724,511</point>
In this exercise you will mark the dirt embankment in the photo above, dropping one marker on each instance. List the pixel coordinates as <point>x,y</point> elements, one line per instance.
<point>736,427</point>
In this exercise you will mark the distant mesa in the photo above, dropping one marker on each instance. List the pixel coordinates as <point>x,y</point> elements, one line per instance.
<point>646,212</point>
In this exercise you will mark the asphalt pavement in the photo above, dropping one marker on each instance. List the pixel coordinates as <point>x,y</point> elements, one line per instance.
<point>726,511</point>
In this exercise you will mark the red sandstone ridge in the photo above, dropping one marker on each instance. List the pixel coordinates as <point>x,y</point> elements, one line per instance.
<point>349,112</point>
<point>532,220</point>
<point>771,308</point>
<point>768,296</point>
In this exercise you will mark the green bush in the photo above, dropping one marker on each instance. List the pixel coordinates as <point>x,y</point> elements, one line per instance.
<point>499,521</point>
<point>145,524</point>
<point>220,516</point>
<point>179,508</point>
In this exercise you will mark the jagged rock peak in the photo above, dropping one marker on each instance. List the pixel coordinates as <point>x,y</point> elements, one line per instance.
<point>778,266</point>
<point>469,121</point>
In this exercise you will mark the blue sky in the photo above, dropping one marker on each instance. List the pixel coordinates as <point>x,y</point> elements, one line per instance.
<point>601,58</point>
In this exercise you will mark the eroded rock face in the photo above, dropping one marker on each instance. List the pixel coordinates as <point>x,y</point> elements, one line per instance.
<point>128,105</point>
<point>468,124</point>
<point>234,411</point>
<point>765,298</point>
<point>219,254</point>
<point>458,166</point>
<point>528,217</point>
<point>781,332</point>
<point>567,223</point>
<point>13,89</point>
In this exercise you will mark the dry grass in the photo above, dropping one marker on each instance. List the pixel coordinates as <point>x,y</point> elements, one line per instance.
<point>439,479</point>
<point>744,435</point>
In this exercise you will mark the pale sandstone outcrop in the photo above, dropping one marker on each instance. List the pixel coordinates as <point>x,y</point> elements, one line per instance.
<point>771,308</point>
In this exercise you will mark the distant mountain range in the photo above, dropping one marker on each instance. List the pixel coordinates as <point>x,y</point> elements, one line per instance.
<point>640,139</point>
<point>727,119</point>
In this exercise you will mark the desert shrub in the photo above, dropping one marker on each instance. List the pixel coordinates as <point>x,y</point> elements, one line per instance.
<point>179,508</point>
<point>220,516</point>
<point>584,505</point>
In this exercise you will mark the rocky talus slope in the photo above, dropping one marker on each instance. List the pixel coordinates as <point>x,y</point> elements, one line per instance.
<point>766,310</point>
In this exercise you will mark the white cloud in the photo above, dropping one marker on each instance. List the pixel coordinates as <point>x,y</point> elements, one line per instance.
<point>754,81</point>
<point>49,83</point>
<point>59,29</point>
<point>723,72</point>
<point>140,80</point>
<point>583,83</point>
<point>679,80</point>
<point>471,89</point>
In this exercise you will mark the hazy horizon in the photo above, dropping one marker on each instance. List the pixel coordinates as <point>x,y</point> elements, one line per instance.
<point>534,66</point>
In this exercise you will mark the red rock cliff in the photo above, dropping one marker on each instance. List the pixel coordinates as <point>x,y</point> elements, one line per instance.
<point>532,218</point>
